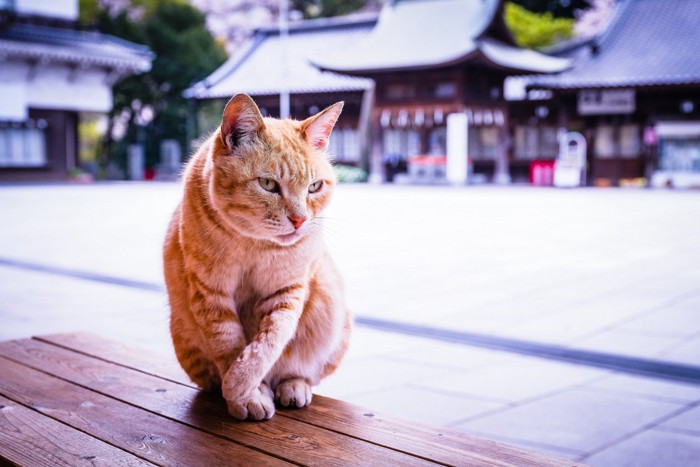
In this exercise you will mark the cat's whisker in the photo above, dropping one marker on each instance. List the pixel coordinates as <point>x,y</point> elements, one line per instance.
<point>329,234</point>
<point>332,229</point>
<point>341,223</point>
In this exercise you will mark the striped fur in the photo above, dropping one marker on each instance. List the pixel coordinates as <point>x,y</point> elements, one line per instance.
<point>256,304</point>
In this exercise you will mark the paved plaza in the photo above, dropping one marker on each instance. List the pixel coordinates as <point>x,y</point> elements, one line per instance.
<point>564,321</point>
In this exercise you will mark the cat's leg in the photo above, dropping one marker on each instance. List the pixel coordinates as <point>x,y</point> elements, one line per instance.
<point>257,405</point>
<point>226,342</point>
<point>243,384</point>
<point>293,392</point>
<point>207,334</point>
<point>187,338</point>
<point>192,358</point>
<point>320,342</point>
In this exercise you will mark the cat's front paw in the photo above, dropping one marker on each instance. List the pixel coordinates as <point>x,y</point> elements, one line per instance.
<point>293,392</point>
<point>256,406</point>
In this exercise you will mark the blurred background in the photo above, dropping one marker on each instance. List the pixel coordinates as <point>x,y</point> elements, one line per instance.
<point>517,221</point>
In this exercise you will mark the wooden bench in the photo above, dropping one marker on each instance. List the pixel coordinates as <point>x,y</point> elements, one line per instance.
<point>78,399</point>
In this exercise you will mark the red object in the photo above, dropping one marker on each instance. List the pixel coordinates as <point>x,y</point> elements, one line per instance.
<point>149,173</point>
<point>428,160</point>
<point>542,173</point>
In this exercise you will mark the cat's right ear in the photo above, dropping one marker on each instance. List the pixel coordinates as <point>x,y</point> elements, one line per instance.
<point>241,121</point>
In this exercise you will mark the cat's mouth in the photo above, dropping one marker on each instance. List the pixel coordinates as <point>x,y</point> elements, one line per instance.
<point>288,239</point>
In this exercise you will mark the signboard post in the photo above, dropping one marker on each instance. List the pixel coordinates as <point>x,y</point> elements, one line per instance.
<point>457,131</point>
<point>570,166</point>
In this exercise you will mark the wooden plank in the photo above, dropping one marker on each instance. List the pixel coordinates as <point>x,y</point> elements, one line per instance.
<point>442,445</point>
<point>30,438</point>
<point>281,436</point>
<point>164,366</point>
<point>142,433</point>
<point>438,444</point>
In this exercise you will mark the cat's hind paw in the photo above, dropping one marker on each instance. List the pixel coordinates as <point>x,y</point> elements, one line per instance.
<point>257,406</point>
<point>293,392</point>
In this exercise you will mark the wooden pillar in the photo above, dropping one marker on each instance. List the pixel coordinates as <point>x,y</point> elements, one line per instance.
<point>501,175</point>
<point>365,130</point>
<point>376,169</point>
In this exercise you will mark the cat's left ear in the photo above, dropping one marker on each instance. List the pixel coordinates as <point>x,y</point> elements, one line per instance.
<point>317,129</point>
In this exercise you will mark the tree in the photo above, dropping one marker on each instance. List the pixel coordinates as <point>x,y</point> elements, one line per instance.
<point>533,30</point>
<point>558,8</point>
<point>185,52</point>
<point>327,8</point>
<point>592,21</point>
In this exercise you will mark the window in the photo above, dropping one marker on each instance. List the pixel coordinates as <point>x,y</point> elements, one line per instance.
<point>526,142</point>
<point>489,142</point>
<point>404,143</point>
<point>549,143</point>
<point>344,145</point>
<point>618,141</point>
<point>680,154</point>
<point>412,143</point>
<point>483,142</point>
<point>536,142</point>
<point>446,90</point>
<point>400,92</point>
<point>22,145</point>
<point>630,141</point>
<point>351,146</point>
<point>437,142</point>
<point>605,141</point>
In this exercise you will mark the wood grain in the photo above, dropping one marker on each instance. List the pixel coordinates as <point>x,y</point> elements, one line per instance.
<point>30,438</point>
<point>281,436</point>
<point>144,434</point>
<point>437,444</point>
<point>164,366</point>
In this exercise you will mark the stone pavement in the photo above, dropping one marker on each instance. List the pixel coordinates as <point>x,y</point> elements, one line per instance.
<point>590,270</point>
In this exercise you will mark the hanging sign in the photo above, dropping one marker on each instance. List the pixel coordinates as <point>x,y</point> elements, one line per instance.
<point>606,101</point>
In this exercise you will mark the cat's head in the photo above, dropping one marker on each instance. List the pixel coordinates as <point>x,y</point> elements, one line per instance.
<point>270,179</point>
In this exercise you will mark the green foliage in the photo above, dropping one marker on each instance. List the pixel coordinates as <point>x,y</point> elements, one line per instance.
<point>89,140</point>
<point>348,174</point>
<point>533,30</point>
<point>89,10</point>
<point>185,52</point>
<point>558,8</point>
<point>326,8</point>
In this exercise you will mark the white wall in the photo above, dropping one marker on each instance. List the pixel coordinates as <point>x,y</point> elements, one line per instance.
<point>51,87</point>
<point>63,9</point>
<point>13,92</point>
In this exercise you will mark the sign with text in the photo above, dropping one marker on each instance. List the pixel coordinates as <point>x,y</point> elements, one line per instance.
<point>606,101</point>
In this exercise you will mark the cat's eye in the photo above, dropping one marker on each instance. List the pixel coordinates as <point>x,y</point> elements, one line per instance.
<point>315,186</point>
<point>269,184</point>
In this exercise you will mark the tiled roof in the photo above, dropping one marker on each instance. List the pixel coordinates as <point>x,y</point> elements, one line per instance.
<point>66,45</point>
<point>415,34</point>
<point>259,68</point>
<point>649,42</point>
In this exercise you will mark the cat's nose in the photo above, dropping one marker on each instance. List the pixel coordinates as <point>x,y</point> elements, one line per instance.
<point>297,221</point>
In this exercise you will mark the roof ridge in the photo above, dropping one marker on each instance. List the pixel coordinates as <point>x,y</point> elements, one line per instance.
<point>228,67</point>
<point>77,34</point>
<point>318,24</point>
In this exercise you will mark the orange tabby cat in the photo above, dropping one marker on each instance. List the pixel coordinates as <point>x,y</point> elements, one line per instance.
<point>256,303</point>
